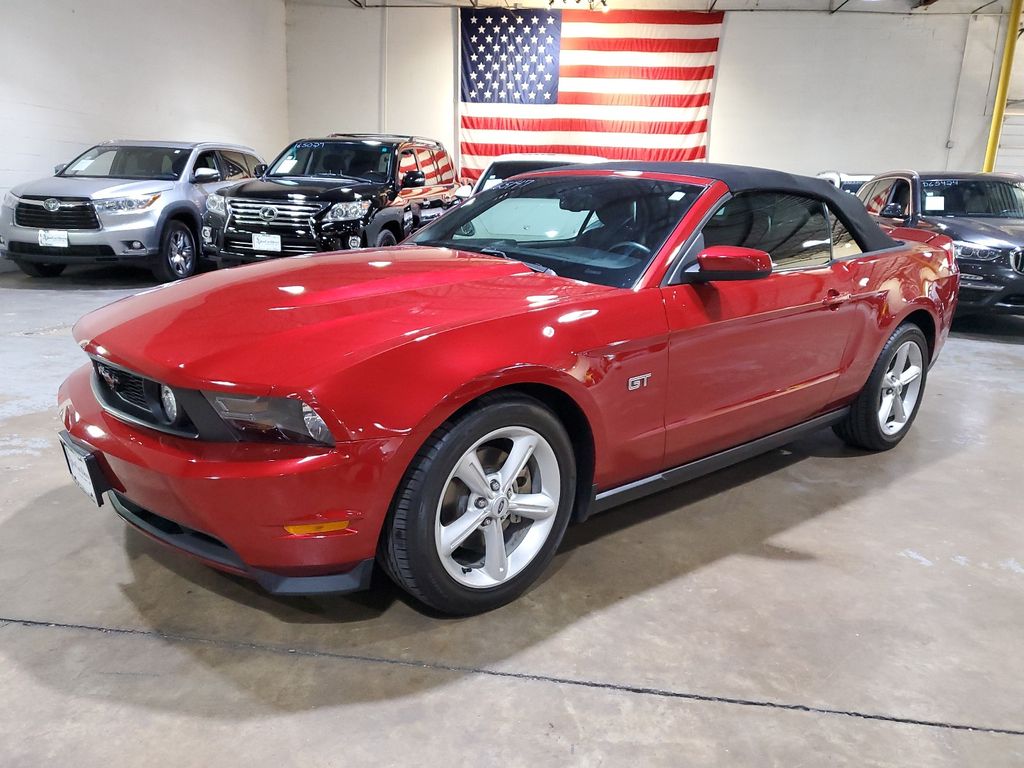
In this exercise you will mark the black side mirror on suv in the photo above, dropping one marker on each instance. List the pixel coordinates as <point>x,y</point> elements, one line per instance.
<point>892,211</point>
<point>413,179</point>
<point>259,169</point>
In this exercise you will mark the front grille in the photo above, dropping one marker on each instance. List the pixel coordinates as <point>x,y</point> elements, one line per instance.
<point>1017,260</point>
<point>136,399</point>
<point>289,215</point>
<point>73,213</point>
<point>244,245</point>
<point>31,249</point>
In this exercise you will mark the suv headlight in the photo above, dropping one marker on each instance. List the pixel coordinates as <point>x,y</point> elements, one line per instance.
<point>348,211</point>
<point>126,204</point>
<point>274,419</point>
<point>973,252</point>
<point>10,201</point>
<point>216,204</point>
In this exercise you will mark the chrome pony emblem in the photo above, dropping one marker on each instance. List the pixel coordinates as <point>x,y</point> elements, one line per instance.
<point>109,376</point>
<point>51,204</point>
<point>268,213</point>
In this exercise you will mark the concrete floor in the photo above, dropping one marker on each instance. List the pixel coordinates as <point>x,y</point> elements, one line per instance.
<point>813,606</point>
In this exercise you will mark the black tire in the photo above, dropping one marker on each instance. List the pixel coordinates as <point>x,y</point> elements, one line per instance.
<point>408,552</point>
<point>173,262</point>
<point>862,427</point>
<point>33,269</point>
<point>386,239</point>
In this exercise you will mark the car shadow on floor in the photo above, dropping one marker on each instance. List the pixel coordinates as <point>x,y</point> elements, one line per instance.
<point>215,617</point>
<point>1006,329</point>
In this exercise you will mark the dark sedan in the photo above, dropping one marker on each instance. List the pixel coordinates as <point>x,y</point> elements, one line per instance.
<point>982,212</point>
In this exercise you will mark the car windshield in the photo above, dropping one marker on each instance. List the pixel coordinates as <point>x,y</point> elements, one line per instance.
<point>987,198</point>
<point>134,162</point>
<point>369,160</point>
<point>603,229</point>
<point>506,169</point>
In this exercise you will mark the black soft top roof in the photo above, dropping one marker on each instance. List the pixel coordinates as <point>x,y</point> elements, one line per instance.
<point>744,178</point>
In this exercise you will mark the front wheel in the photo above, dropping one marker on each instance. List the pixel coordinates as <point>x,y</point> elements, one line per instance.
<point>482,508</point>
<point>882,414</point>
<point>33,269</point>
<point>386,239</point>
<point>177,257</point>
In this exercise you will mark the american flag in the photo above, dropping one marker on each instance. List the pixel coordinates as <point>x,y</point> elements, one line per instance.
<point>623,85</point>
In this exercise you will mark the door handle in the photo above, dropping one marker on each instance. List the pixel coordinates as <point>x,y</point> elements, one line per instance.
<point>834,299</point>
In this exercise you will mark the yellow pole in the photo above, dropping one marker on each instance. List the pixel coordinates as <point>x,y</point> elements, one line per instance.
<point>999,109</point>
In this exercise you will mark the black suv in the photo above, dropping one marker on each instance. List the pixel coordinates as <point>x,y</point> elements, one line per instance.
<point>342,191</point>
<point>982,212</point>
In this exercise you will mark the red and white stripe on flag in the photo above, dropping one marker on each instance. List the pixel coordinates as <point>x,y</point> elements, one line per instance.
<point>632,85</point>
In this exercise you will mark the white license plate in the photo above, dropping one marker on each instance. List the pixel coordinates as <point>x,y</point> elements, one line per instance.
<point>78,464</point>
<point>53,238</point>
<point>266,243</point>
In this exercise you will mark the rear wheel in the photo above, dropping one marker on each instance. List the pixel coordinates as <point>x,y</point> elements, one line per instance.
<point>177,257</point>
<point>882,414</point>
<point>40,270</point>
<point>482,508</point>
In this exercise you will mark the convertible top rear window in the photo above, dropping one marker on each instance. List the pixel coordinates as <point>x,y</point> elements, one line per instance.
<point>598,229</point>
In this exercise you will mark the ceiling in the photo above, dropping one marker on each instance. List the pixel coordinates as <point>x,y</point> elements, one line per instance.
<point>900,7</point>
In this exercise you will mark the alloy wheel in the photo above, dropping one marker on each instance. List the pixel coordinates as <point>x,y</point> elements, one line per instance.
<point>901,388</point>
<point>181,253</point>
<point>498,507</point>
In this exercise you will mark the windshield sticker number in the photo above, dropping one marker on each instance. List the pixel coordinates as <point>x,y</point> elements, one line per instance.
<point>310,145</point>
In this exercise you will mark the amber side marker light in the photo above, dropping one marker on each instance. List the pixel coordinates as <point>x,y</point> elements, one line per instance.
<point>305,530</point>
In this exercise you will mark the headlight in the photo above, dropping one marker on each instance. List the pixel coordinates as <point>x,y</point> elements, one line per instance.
<point>348,211</point>
<point>126,204</point>
<point>10,201</point>
<point>216,204</point>
<point>275,419</point>
<point>973,252</point>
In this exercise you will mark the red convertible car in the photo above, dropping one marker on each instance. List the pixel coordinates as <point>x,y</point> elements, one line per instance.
<point>564,342</point>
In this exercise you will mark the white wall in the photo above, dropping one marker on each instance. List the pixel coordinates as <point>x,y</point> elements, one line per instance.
<point>390,70</point>
<point>857,92</point>
<point>801,91</point>
<point>75,72</point>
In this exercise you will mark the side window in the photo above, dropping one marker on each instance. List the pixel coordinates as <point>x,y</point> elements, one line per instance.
<point>901,195</point>
<point>843,244</point>
<point>445,169</point>
<point>878,195</point>
<point>251,161</point>
<point>406,163</point>
<point>234,166</point>
<point>426,161</point>
<point>794,230</point>
<point>206,159</point>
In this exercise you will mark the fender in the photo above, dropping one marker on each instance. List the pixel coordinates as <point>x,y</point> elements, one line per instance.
<point>377,221</point>
<point>176,209</point>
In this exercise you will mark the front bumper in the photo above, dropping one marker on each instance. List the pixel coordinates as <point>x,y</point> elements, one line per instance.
<point>228,503</point>
<point>129,240</point>
<point>227,244</point>
<point>990,288</point>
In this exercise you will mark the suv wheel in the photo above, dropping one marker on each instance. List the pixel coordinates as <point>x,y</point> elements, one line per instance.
<point>40,270</point>
<point>482,508</point>
<point>386,239</point>
<point>177,258</point>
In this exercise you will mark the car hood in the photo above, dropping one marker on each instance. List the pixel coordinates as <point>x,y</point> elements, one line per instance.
<point>287,324</point>
<point>69,186</point>
<point>334,190</point>
<point>993,233</point>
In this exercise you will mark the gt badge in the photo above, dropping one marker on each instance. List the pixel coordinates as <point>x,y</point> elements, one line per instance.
<point>637,382</point>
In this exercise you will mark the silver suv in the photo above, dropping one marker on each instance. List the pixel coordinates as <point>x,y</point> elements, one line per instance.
<point>121,201</point>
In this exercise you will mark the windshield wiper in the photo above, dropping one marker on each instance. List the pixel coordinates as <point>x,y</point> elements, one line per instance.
<point>532,265</point>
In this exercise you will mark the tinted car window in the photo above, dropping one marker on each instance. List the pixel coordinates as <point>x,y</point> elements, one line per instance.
<point>986,198</point>
<point>877,195</point>
<point>406,163</point>
<point>356,159</point>
<point>426,161</point>
<point>234,165</point>
<point>794,230</point>
<point>206,160</point>
<point>445,168</point>
<point>596,229</point>
<point>251,161</point>
<point>843,243</point>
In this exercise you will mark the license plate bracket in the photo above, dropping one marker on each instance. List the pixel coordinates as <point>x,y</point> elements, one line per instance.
<point>261,242</point>
<point>85,469</point>
<point>53,238</point>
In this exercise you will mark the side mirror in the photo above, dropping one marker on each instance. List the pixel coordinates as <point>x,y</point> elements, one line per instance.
<point>892,211</point>
<point>205,175</point>
<point>413,179</point>
<point>729,262</point>
<point>260,169</point>
<point>58,169</point>
<point>464,191</point>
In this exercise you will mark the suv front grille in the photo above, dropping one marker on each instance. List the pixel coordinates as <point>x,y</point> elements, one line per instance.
<point>272,213</point>
<point>73,213</point>
<point>1017,260</point>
